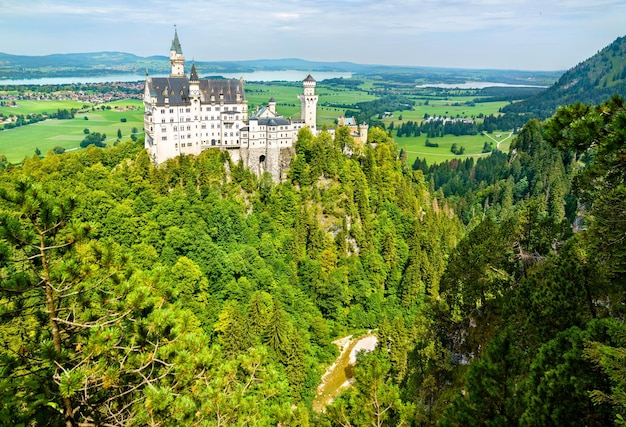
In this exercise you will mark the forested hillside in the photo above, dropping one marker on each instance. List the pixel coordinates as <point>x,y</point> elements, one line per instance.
<point>194,293</point>
<point>592,81</point>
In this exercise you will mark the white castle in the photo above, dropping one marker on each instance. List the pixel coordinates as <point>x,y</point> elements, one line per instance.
<point>186,115</point>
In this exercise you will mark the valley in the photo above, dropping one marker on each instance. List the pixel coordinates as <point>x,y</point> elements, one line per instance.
<point>472,246</point>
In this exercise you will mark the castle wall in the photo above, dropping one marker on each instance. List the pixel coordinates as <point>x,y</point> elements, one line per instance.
<point>188,115</point>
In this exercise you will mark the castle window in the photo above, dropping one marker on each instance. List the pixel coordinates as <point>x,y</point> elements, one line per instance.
<point>162,110</point>
<point>171,110</point>
<point>182,137</point>
<point>164,138</point>
<point>187,110</point>
<point>163,120</point>
<point>175,128</point>
<point>217,108</point>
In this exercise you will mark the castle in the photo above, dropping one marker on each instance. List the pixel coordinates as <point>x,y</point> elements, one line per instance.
<point>186,115</point>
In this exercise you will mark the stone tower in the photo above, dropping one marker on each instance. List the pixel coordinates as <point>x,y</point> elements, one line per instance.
<point>177,60</point>
<point>308,101</point>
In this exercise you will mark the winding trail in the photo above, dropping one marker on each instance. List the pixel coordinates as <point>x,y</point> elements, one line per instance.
<point>496,141</point>
<point>338,376</point>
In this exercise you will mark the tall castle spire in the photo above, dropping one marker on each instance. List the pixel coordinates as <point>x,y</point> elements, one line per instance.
<point>177,60</point>
<point>194,73</point>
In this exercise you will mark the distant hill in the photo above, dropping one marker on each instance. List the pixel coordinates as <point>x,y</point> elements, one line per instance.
<point>108,63</point>
<point>589,82</point>
<point>103,63</point>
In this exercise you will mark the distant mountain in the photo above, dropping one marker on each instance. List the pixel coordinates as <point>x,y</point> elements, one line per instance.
<point>76,64</point>
<point>589,82</point>
<point>103,63</point>
<point>108,63</point>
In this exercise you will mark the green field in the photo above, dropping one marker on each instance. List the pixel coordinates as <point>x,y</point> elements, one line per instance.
<point>22,142</point>
<point>415,146</point>
<point>40,107</point>
<point>288,104</point>
<point>454,107</point>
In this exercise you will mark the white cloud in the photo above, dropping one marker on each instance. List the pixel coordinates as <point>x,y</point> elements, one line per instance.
<point>284,16</point>
<point>434,32</point>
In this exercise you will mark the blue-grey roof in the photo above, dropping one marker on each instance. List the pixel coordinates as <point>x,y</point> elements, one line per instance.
<point>176,89</point>
<point>273,121</point>
<point>194,73</point>
<point>176,44</point>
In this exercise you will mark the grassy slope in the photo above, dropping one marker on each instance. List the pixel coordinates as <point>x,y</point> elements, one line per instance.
<point>415,146</point>
<point>21,142</point>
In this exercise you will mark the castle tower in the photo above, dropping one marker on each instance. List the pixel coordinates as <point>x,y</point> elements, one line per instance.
<point>363,128</point>
<point>272,105</point>
<point>194,83</point>
<point>177,60</point>
<point>309,102</point>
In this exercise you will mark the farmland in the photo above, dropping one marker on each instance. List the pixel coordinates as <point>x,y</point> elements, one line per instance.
<point>335,97</point>
<point>23,141</point>
<point>473,144</point>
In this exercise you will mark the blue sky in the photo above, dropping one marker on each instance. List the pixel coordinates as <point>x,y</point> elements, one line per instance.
<point>500,34</point>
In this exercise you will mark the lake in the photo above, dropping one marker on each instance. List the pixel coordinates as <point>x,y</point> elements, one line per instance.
<point>474,85</point>
<point>258,76</point>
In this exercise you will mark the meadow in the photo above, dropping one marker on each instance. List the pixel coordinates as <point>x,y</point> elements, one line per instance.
<point>461,107</point>
<point>23,141</point>
<point>473,144</point>
<point>288,104</point>
<point>40,107</point>
<point>20,142</point>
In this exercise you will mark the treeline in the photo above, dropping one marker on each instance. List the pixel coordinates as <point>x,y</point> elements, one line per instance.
<point>22,120</point>
<point>350,83</point>
<point>496,93</point>
<point>534,292</point>
<point>128,88</point>
<point>434,128</point>
<point>437,128</point>
<point>591,82</point>
<point>195,293</point>
<point>388,102</point>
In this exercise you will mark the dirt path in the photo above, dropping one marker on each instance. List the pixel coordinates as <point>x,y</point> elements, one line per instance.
<point>339,375</point>
<point>496,141</point>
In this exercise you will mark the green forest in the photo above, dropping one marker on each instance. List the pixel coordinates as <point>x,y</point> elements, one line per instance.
<point>195,293</point>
